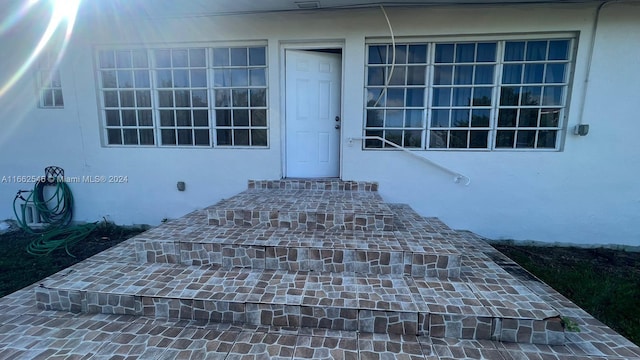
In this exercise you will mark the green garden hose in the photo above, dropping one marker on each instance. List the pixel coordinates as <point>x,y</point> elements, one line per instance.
<point>56,211</point>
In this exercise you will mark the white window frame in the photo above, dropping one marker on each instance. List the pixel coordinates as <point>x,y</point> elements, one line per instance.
<point>50,95</point>
<point>153,69</point>
<point>493,128</point>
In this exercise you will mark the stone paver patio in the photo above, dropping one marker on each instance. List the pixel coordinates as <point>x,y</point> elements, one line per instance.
<point>320,269</point>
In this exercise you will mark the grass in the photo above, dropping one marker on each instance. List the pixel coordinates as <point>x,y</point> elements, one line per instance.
<point>604,282</point>
<point>19,269</point>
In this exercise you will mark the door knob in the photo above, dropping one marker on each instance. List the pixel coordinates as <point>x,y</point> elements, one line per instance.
<point>337,118</point>
<point>337,126</point>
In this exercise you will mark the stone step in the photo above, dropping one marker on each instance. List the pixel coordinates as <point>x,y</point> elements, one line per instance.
<point>314,184</point>
<point>365,303</point>
<point>304,209</point>
<point>384,252</point>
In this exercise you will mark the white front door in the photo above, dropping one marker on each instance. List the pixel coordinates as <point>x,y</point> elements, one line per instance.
<point>312,133</point>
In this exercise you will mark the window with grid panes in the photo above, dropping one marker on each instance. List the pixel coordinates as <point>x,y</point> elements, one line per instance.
<point>49,83</point>
<point>240,93</point>
<point>468,95</point>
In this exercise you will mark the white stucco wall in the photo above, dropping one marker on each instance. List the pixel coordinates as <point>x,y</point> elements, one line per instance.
<point>587,193</point>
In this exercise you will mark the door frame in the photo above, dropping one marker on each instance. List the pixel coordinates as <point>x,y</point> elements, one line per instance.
<point>307,45</point>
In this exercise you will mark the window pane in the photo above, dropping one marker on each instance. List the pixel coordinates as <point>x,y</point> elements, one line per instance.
<point>201,137</point>
<point>528,118</point>
<point>413,139</point>
<point>401,54</point>
<point>511,74</point>
<point>130,136</point>
<point>239,77</point>
<point>197,58</point>
<point>165,98</point>
<point>375,76</point>
<point>143,98</point>
<point>259,137</point>
<point>181,78</point>
<point>257,77</point>
<point>240,97</point>
<point>257,56</point>
<point>183,117</point>
<point>107,61</point>
<point>125,79</point>
<point>441,97</point>
<point>123,59</point>
<point>140,59</point>
<point>394,118</point>
<point>185,137</point>
<point>199,98</point>
<point>552,96</point>
<point>463,75</point>
<point>555,73</point>
<point>536,50</point>
<point>526,138</point>
<point>442,75</point>
<point>547,139</point>
<point>110,99</point>
<point>258,97</point>
<point>549,117</point>
<point>145,118</point>
<point>164,78</point>
<point>486,52</point>
<point>460,118</point>
<point>129,118</point>
<point>112,117</point>
<point>413,118</point>
<point>163,58</point>
<point>258,117</point>
<point>223,117</point>
<point>375,118</point>
<point>531,95</point>
<point>438,139</point>
<point>223,137</point>
<point>505,138</point>
<point>376,97</point>
<point>478,139</point>
<point>559,50</point>
<point>440,118</point>
<point>398,77</point>
<point>509,96</point>
<point>180,58</point>
<point>222,78</point>
<point>142,78</point>
<point>484,74</point>
<point>241,137</point>
<point>378,54</point>
<point>416,75</point>
<point>183,98</point>
<point>146,137</point>
<point>126,99</point>
<point>514,51</point>
<point>507,117</point>
<point>415,98</point>
<point>238,56</point>
<point>200,118</point>
<point>417,54</point>
<point>533,73</point>
<point>114,137</point>
<point>223,98</point>
<point>109,79</point>
<point>480,118</point>
<point>371,143</point>
<point>458,139</point>
<point>241,117</point>
<point>48,98</point>
<point>57,97</point>
<point>167,118</point>
<point>444,53</point>
<point>461,96</point>
<point>482,96</point>
<point>221,57</point>
<point>465,52</point>
<point>395,97</point>
<point>395,136</point>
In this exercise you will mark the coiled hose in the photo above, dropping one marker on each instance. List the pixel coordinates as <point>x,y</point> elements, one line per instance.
<point>57,212</point>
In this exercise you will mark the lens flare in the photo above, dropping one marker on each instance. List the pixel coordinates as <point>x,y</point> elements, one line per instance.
<point>63,14</point>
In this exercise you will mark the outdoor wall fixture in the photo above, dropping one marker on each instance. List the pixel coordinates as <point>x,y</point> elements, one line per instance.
<point>581,129</point>
<point>181,185</point>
